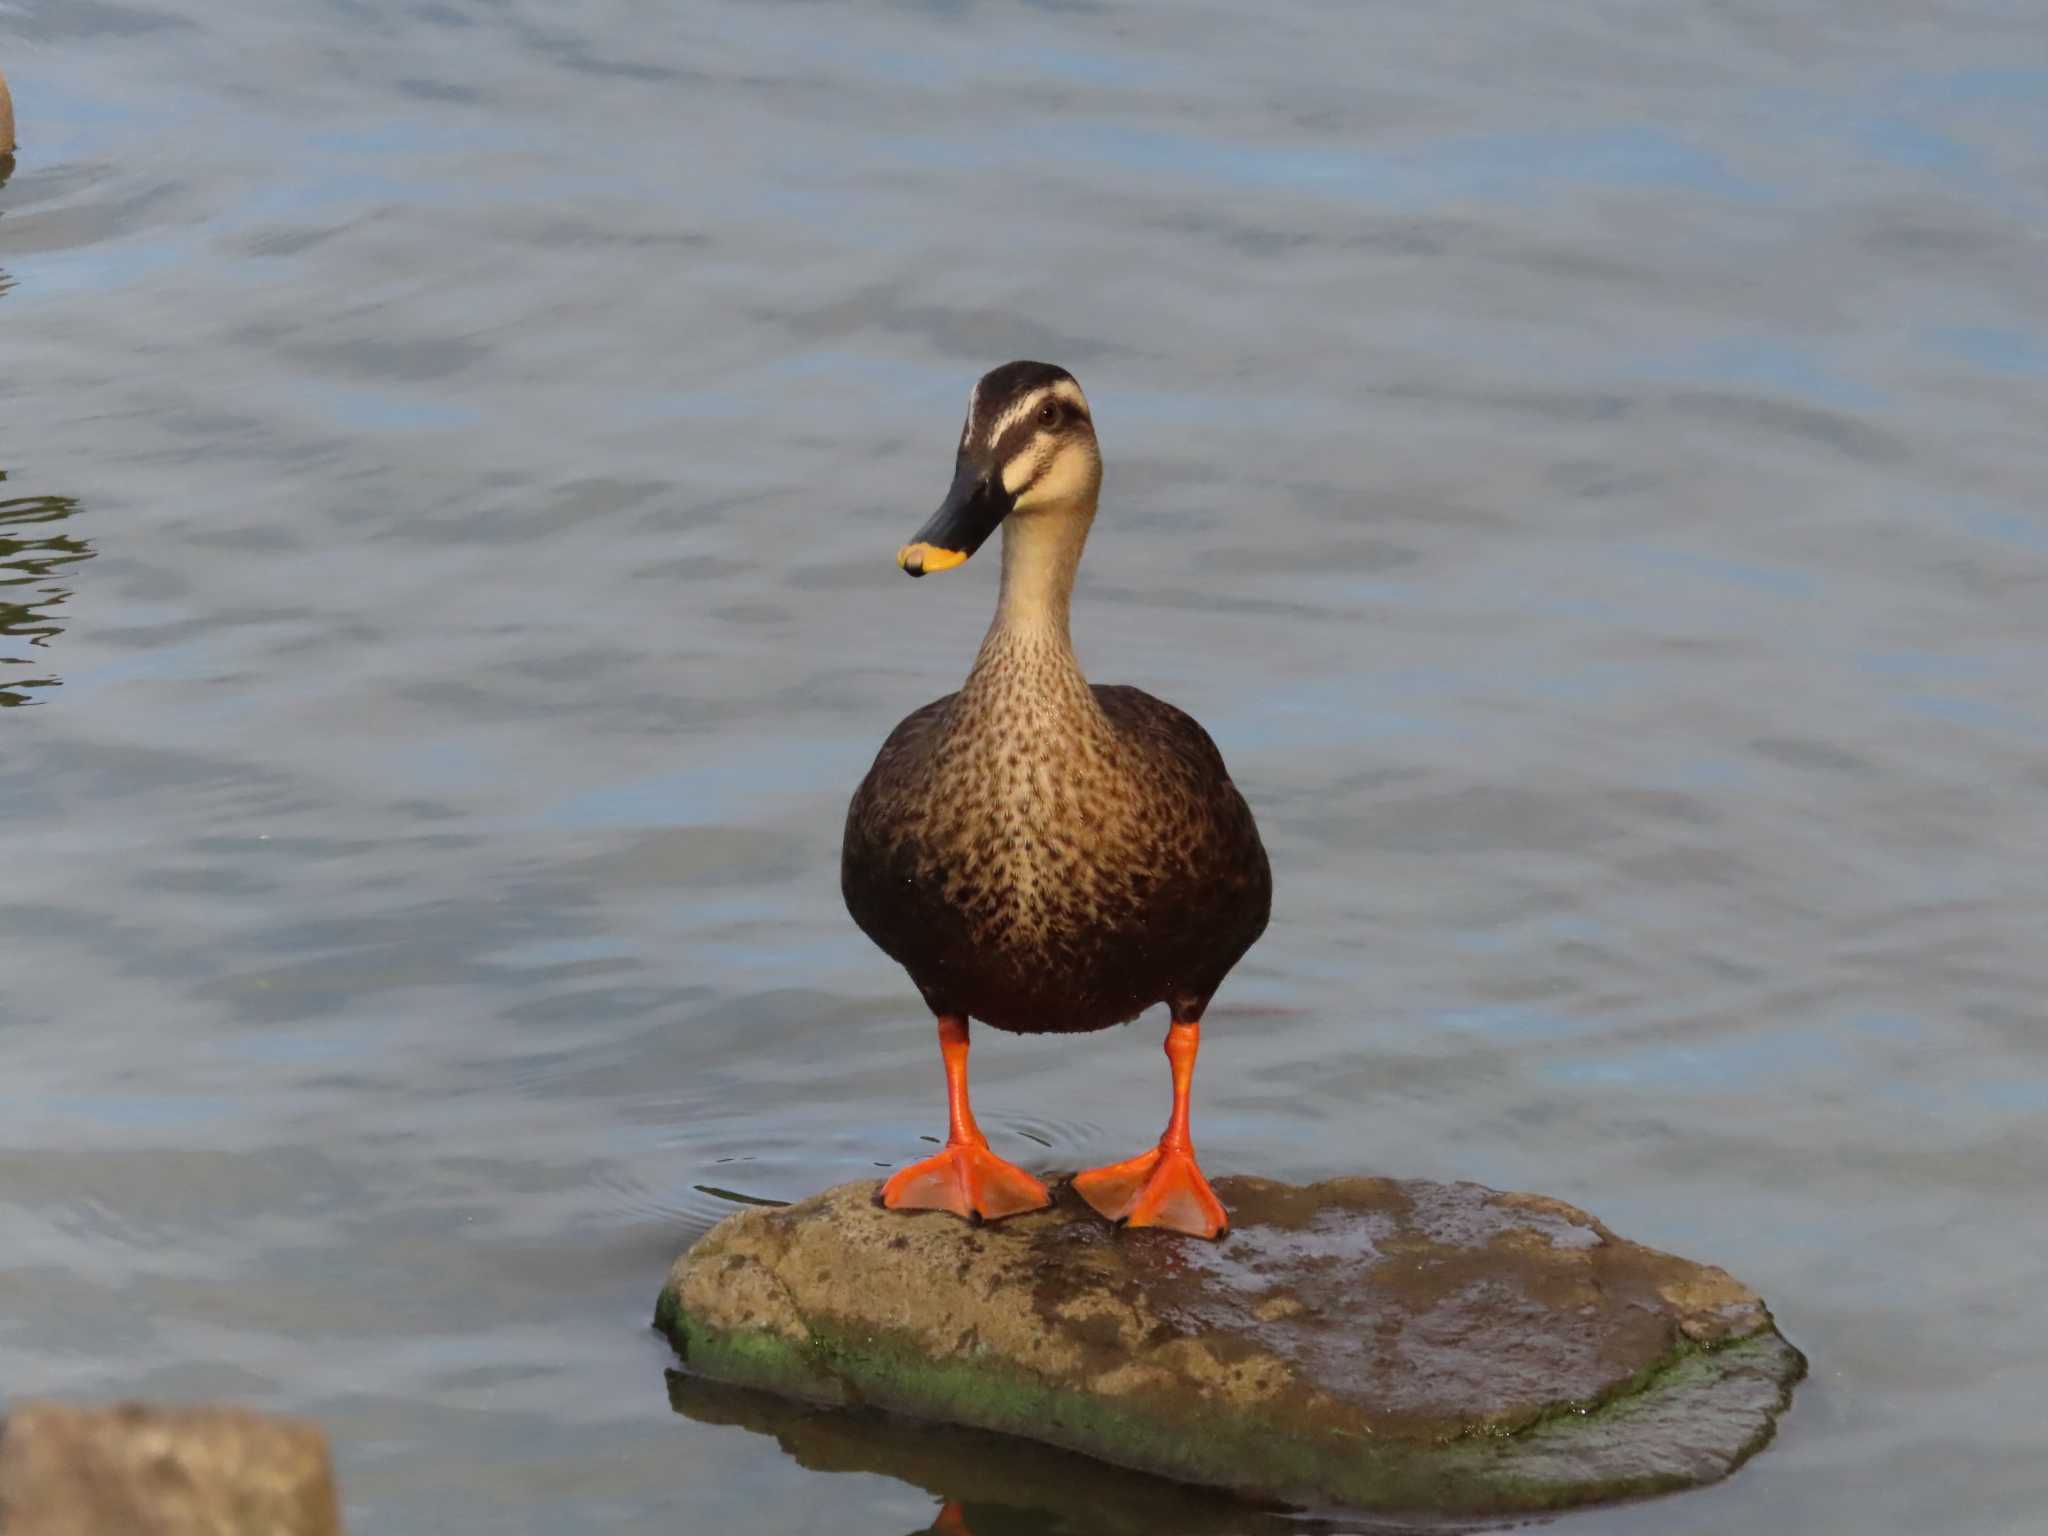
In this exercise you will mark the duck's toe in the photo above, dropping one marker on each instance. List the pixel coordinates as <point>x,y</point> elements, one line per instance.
<point>1160,1188</point>
<point>968,1180</point>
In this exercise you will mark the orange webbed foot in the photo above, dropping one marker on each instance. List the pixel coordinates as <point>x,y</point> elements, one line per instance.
<point>968,1180</point>
<point>1160,1188</point>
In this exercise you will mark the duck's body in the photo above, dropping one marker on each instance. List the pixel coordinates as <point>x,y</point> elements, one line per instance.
<point>1049,857</point>
<point>1040,854</point>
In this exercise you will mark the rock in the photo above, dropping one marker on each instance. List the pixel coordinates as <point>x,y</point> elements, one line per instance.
<point>140,1470</point>
<point>1361,1342</point>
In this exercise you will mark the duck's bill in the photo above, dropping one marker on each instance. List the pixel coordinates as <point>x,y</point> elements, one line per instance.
<point>973,509</point>
<point>922,558</point>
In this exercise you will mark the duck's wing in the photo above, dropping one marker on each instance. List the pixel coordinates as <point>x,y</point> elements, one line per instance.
<point>1169,735</point>
<point>899,768</point>
<point>1229,910</point>
<point>880,847</point>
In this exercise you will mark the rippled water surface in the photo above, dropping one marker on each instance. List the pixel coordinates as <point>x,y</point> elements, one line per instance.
<point>1585,465</point>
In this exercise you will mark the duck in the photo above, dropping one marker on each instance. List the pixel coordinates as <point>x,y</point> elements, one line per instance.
<point>1043,854</point>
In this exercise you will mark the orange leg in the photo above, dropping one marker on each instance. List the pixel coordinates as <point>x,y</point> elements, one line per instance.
<point>1163,1187</point>
<point>966,1179</point>
<point>950,1521</point>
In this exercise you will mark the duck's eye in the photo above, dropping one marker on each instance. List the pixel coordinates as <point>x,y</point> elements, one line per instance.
<point>1049,414</point>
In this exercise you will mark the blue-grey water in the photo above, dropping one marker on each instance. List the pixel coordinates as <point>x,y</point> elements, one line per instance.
<point>1585,464</point>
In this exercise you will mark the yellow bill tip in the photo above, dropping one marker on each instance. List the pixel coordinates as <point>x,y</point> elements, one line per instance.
<point>923,559</point>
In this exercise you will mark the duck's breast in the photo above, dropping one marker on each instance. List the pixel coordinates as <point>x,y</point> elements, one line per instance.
<point>1043,873</point>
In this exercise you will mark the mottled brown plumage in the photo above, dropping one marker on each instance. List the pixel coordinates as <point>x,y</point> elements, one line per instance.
<point>1043,855</point>
<point>1047,856</point>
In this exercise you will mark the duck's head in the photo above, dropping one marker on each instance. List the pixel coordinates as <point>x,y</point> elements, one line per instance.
<point>1028,448</point>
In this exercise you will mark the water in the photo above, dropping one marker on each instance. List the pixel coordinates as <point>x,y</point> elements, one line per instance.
<point>1584,467</point>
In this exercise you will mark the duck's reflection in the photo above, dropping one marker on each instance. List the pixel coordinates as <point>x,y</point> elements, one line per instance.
<point>35,550</point>
<point>6,170</point>
<point>993,1485</point>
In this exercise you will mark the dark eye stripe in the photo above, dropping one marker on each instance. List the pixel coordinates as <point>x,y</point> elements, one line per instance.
<point>1021,433</point>
<point>1015,441</point>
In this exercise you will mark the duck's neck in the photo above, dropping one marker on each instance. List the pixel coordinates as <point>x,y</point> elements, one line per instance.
<point>1041,552</point>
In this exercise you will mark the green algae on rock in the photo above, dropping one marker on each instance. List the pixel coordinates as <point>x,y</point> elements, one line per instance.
<point>1368,1343</point>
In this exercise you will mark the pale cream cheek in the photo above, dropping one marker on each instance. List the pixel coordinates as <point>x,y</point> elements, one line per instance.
<point>1020,471</point>
<point>1069,478</point>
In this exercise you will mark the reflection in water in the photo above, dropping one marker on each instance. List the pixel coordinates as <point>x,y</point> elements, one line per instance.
<point>994,1485</point>
<point>6,170</point>
<point>33,553</point>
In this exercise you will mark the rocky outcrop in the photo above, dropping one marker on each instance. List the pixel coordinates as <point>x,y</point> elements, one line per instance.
<point>1364,1342</point>
<point>141,1470</point>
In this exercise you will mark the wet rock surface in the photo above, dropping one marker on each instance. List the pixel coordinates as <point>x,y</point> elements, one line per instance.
<point>1369,1343</point>
<point>141,1470</point>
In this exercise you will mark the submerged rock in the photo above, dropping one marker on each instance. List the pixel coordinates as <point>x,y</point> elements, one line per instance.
<point>1363,1342</point>
<point>144,1470</point>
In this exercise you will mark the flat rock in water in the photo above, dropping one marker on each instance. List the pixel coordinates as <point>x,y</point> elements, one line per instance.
<point>1373,1343</point>
<point>142,1469</point>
